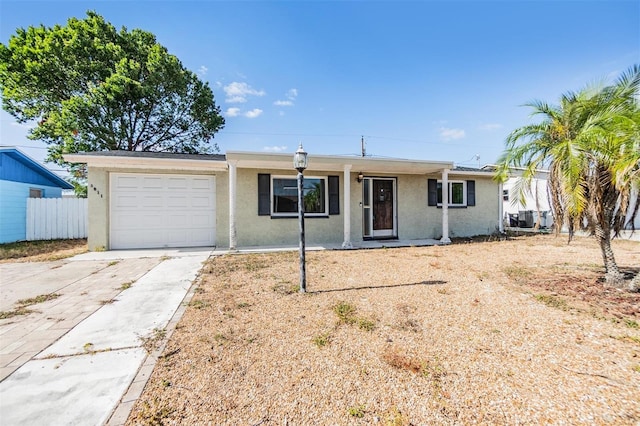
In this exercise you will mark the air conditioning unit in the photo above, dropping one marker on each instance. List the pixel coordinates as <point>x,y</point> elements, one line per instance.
<point>525,219</point>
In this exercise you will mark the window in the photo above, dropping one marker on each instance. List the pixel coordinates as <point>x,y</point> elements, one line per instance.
<point>457,193</point>
<point>285,196</point>
<point>278,196</point>
<point>35,193</point>
<point>461,193</point>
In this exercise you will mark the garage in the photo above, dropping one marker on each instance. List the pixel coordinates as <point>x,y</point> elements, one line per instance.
<point>162,210</point>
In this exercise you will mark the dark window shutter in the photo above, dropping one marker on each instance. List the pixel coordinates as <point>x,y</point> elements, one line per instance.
<point>471,193</point>
<point>433,192</point>
<point>334,195</point>
<point>264,194</point>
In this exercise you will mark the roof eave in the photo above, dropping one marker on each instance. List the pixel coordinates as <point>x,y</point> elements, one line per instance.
<point>37,167</point>
<point>129,162</point>
<point>471,173</point>
<point>337,163</point>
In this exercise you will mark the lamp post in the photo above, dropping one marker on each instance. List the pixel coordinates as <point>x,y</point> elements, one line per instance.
<point>300,163</point>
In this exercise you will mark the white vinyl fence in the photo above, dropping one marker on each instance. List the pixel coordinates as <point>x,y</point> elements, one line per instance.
<point>56,218</point>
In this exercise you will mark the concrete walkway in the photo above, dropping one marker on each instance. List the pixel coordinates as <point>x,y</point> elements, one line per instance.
<point>81,352</point>
<point>83,288</point>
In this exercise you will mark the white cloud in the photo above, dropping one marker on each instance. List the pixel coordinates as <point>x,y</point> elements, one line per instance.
<point>253,113</point>
<point>232,112</point>
<point>449,134</point>
<point>203,70</point>
<point>491,126</point>
<point>238,92</point>
<point>291,96</point>
<point>236,100</point>
<point>275,148</point>
<point>236,112</point>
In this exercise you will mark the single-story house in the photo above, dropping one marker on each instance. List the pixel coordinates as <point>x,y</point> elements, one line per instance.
<point>22,177</point>
<point>534,206</point>
<point>245,199</point>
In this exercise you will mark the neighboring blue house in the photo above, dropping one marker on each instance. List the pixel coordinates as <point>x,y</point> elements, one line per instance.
<point>22,177</point>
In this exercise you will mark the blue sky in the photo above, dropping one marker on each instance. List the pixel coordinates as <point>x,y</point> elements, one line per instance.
<point>431,80</point>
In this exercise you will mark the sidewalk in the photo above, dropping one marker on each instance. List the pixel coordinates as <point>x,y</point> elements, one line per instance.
<point>82,377</point>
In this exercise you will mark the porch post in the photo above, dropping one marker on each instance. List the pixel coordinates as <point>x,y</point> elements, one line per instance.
<point>232,205</point>
<point>445,207</point>
<point>500,208</point>
<point>346,203</point>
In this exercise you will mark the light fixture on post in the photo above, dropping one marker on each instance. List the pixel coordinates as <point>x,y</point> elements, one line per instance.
<point>360,177</point>
<point>300,163</point>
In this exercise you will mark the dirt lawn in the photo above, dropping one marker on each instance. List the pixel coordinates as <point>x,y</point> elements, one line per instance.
<point>505,332</point>
<point>41,251</point>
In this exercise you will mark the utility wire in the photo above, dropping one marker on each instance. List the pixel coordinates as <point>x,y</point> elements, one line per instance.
<point>338,135</point>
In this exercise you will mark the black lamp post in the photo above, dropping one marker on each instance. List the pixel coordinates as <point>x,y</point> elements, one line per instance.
<point>300,163</point>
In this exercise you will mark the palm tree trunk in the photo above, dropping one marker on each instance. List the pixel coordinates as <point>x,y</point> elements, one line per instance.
<point>613,276</point>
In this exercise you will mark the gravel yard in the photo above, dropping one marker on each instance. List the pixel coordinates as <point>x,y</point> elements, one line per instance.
<point>505,332</point>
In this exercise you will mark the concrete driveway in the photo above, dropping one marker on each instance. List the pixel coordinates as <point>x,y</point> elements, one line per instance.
<point>72,359</point>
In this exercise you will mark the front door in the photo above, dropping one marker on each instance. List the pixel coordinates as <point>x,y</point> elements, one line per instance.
<point>379,207</point>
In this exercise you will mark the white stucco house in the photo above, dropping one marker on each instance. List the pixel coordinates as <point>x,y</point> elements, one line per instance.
<point>537,201</point>
<point>246,199</point>
<point>534,204</point>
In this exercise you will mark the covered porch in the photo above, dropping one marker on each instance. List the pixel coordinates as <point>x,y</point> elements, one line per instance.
<point>357,208</point>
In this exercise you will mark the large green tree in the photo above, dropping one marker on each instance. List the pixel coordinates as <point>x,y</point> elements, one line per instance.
<point>91,87</point>
<point>590,143</point>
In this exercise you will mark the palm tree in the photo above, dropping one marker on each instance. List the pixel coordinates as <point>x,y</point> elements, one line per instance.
<point>590,144</point>
<point>626,149</point>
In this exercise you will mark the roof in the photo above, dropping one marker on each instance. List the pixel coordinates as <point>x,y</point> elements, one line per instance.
<point>151,154</point>
<point>33,165</point>
<point>265,161</point>
<point>469,169</point>
<point>514,170</point>
<point>147,160</point>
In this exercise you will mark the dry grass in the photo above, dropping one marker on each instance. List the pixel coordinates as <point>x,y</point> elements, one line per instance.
<point>38,299</point>
<point>41,251</point>
<point>487,333</point>
<point>21,305</point>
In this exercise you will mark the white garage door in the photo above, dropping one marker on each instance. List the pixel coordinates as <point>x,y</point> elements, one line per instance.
<point>162,210</point>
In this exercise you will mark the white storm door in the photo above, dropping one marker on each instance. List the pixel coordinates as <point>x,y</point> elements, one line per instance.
<point>379,208</point>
